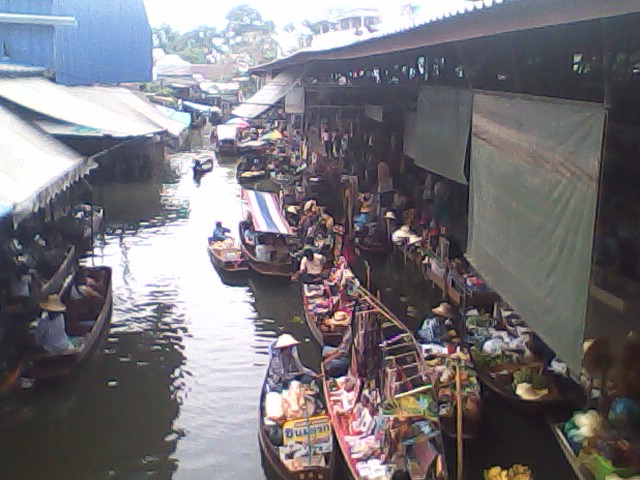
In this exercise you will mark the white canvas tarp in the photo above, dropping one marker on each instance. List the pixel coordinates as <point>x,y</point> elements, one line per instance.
<point>61,104</point>
<point>34,167</point>
<point>294,101</point>
<point>410,145</point>
<point>269,95</point>
<point>374,112</point>
<point>535,166</point>
<point>443,124</point>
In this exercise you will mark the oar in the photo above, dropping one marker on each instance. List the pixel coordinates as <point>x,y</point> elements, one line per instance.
<point>459,421</point>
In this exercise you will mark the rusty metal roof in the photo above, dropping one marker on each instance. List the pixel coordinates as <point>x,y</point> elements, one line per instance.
<point>504,17</point>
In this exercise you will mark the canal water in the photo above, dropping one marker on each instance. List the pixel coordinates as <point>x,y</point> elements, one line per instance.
<point>173,389</point>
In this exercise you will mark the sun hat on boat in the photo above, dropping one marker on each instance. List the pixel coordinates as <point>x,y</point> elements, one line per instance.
<point>444,310</point>
<point>414,239</point>
<point>389,215</point>
<point>308,206</point>
<point>526,392</point>
<point>53,304</point>
<point>286,340</point>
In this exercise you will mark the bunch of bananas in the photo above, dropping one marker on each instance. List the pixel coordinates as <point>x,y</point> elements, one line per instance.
<point>516,472</point>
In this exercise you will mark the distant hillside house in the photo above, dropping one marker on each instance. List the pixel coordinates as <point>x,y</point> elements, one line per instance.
<point>77,42</point>
<point>353,19</point>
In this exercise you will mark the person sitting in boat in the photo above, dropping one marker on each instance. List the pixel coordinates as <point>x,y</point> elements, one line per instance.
<point>337,359</point>
<point>434,330</point>
<point>249,234</point>
<point>285,365</point>
<point>311,267</point>
<point>50,333</point>
<point>264,248</point>
<point>220,233</point>
<point>366,208</point>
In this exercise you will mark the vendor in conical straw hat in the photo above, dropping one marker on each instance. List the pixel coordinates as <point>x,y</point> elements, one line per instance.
<point>50,333</point>
<point>285,365</point>
<point>438,329</point>
<point>444,310</point>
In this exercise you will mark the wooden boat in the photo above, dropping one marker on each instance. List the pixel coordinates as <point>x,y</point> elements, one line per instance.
<point>251,169</point>
<point>227,139</point>
<point>471,421</point>
<point>581,471</point>
<point>399,379</point>
<point>204,167</point>
<point>498,380</point>
<point>54,284</point>
<point>460,294</point>
<point>227,257</point>
<point>43,365</point>
<point>267,220</point>
<point>272,455</point>
<point>332,338</point>
<point>252,147</point>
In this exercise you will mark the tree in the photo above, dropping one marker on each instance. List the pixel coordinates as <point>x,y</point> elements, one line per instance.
<point>244,14</point>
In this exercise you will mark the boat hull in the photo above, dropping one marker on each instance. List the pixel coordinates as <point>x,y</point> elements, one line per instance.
<point>271,459</point>
<point>55,366</point>
<point>532,407</point>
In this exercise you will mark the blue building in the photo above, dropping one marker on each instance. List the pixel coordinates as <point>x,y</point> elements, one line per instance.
<point>76,42</point>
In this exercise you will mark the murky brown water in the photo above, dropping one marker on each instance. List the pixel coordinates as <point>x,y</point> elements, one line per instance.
<point>173,390</point>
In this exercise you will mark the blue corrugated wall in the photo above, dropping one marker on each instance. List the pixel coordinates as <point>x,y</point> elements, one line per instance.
<point>30,44</point>
<point>111,44</point>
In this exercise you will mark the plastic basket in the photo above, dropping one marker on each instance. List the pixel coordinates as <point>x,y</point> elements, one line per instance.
<point>601,467</point>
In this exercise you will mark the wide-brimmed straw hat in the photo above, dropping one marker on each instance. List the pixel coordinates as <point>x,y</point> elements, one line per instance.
<point>286,340</point>
<point>53,304</point>
<point>526,392</point>
<point>308,206</point>
<point>444,310</point>
<point>414,239</point>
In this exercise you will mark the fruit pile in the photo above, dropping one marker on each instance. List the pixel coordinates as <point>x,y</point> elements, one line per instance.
<point>516,472</point>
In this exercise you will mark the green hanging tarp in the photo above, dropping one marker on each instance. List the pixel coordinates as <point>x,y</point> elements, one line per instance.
<point>442,131</point>
<point>534,174</point>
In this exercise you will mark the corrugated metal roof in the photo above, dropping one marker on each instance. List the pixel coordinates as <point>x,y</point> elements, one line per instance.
<point>15,69</point>
<point>131,105</point>
<point>465,24</point>
<point>62,103</point>
<point>268,95</point>
<point>34,167</point>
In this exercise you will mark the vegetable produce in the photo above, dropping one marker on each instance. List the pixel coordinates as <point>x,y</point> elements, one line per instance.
<point>516,472</point>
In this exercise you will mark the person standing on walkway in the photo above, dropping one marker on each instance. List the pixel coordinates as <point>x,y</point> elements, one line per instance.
<point>385,185</point>
<point>326,142</point>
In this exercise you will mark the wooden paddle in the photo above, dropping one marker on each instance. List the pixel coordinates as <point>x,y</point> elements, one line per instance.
<point>459,433</point>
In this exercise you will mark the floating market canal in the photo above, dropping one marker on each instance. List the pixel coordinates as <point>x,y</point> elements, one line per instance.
<point>173,390</point>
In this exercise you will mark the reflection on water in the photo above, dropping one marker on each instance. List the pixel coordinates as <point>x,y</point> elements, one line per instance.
<point>173,390</point>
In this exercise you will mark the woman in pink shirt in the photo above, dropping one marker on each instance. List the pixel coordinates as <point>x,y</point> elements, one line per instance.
<point>326,141</point>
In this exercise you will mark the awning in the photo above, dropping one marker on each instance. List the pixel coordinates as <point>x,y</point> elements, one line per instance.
<point>268,95</point>
<point>374,112</point>
<point>410,141</point>
<point>266,213</point>
<point>66,105</point>
<point>183,118</point>
<point>442,131</point>
<point>138,104</point>
<point>535,166</point>
<point>34,167</point>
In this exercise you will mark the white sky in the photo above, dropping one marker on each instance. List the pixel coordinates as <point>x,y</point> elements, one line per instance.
<point>185,15</point>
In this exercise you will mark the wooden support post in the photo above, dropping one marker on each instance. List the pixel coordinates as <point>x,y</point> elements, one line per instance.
<point>459,432</point>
